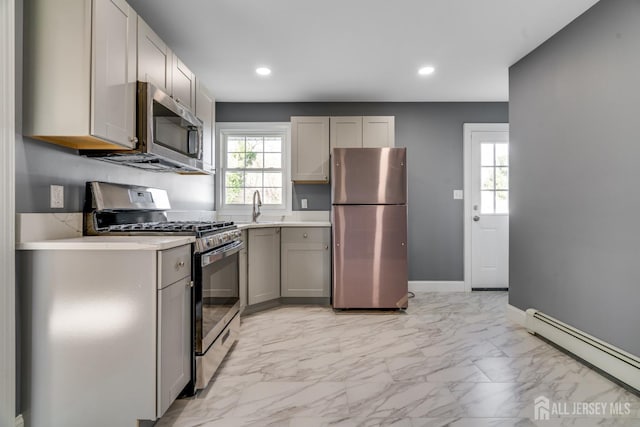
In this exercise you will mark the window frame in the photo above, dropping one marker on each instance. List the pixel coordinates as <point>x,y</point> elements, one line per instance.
<point>227,129</point>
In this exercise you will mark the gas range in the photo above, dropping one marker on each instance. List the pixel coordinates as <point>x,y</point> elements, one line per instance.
<point>133,210</point>
<point>118,209</point>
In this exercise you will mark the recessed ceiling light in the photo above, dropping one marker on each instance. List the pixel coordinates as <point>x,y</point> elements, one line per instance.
<point>425,71</point>
<point>263,71</point>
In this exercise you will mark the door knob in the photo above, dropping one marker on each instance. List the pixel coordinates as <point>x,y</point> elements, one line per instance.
<point>476,218</point>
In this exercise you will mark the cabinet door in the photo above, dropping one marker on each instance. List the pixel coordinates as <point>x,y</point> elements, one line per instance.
<point>154,58</point>
<point>184,84</point>
<point>346,132</point>
<point>378,131</point>
<point>310,149</point>
<point>264,265</point>
<point>205,111</point>
<point>113,89</point>
<point>242,276</point>
<point>174,342</point>
<point>306,262</point>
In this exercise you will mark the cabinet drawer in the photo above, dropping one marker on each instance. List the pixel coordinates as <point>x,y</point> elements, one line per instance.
<point>174,264</point>
<point>306,235</point>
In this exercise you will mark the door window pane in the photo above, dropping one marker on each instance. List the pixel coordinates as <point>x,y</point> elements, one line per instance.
<point>502,154</point>
<point>486,202</point>
<point>502,178</point>
<point>486,154</point>
<point>487,178</point>
<point>502,202</point>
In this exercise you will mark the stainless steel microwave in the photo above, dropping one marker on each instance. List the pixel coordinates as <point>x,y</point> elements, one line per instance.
<point>169,136</point>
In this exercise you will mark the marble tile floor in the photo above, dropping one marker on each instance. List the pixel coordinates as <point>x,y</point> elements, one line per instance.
<point>453,359</point>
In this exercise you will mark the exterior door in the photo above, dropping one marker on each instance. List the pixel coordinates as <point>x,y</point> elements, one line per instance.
<point>489,214</point>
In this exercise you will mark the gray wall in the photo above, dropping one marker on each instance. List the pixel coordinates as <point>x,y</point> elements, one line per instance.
<point>39,164</point>
<point>432,133</point>
<point>574,229</point>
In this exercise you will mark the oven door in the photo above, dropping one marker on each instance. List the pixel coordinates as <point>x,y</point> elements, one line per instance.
<point>217,293</point>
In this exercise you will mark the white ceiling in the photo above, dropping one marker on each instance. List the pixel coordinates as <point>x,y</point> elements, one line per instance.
<point>356,50</point>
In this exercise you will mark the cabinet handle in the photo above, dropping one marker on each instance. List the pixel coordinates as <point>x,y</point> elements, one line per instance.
<point>179,265</point>
<point>326,247</point>
<point>178,100</point>
<point>305,235</point>
<point>133,139</point>
<point>190,284</point>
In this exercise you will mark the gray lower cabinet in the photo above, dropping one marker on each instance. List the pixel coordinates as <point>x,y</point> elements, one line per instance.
<point>264,265</point>
<point>117,322</point>
<point>242,274</point>
<point>174,357</point>
<point>174,324</point>
<point>306,262</point>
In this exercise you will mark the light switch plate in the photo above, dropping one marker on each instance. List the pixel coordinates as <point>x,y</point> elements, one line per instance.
<point>457,194</point>
<point>303,203</point>
<point>57,196</point>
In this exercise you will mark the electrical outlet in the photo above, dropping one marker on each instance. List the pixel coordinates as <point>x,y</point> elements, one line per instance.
<point>57,196</point>
<point>303,203</point>
<point>457,194</point>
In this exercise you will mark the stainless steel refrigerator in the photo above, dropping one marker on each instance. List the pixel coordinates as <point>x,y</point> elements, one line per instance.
<point>369,215</point>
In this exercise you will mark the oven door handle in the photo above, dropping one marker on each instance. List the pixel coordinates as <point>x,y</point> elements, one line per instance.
<point>218,254</point>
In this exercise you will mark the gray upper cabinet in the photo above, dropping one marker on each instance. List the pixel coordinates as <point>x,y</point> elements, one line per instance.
<point>310,149</point>
<point>154,58</point>
<point>206,111</point>
<point>80,73</point>
<point>362,131</point>
<point>183,84</point>
<point>159,65</point>
<point>346,132</point>
<point>378,131</point>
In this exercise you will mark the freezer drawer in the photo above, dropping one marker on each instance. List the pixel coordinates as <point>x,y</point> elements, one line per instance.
<point>369,176</point>
<point>370,256</point>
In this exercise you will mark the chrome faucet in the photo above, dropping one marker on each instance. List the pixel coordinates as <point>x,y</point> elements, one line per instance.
<point>256,207</point>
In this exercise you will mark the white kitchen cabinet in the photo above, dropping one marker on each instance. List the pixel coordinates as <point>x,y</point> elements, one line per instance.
<point>154,58</point>
<point>362,131</point>
<point>80,73</point>
<point>378,131</point>
<point>174,324</point>
<point>183,84</point>
<point>264,265</point>
<point>206,111</point>
<point>310,149</point>
<point>345,132</point>
<point>242,274</point>
<point>306,262</point>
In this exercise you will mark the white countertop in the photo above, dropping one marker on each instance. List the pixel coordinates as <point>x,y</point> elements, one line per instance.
<point>267,224</point>
<point>132,243</point>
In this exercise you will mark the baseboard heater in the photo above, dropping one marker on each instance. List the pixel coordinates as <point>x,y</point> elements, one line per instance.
<point>616,362</point>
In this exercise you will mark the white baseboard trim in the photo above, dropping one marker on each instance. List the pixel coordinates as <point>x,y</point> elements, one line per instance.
<point>434,286</point>
<point>516,315</point>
